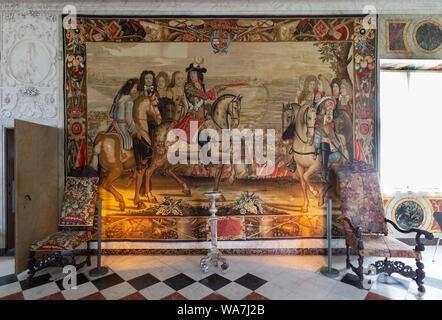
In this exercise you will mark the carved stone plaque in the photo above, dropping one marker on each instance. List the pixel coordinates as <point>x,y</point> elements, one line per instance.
<point>29,62</point>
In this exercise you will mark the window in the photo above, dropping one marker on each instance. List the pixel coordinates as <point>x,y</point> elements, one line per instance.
<point>411,130</point>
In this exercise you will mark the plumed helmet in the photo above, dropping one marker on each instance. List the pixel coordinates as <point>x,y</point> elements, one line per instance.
<point>324,99</point>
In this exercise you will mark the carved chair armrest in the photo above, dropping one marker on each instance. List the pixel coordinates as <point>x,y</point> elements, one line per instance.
<point>419,233</point>
<point>357,231</point>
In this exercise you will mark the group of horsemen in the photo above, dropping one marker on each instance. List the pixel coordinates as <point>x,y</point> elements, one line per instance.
<point>332,104</point>
<point>180,101</point>
<point>184,100</point>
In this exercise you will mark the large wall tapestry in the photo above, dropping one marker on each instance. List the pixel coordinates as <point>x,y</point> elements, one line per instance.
<point>309,82</point>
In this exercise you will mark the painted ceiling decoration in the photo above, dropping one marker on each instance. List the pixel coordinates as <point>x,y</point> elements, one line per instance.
<point>427,36</point>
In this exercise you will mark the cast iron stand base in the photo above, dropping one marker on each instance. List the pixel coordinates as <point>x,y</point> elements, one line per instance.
<point>329,272</point>
<point>98,272</point>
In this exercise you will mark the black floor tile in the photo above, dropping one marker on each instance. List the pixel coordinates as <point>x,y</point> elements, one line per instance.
<point>179,281</point>
<point>215,281</point>
<point>143,281</point>
<point>10,278</point>
<point>35,282</point>
<point>250,281</point>
<point>107,281</point>
<point>81,278</point>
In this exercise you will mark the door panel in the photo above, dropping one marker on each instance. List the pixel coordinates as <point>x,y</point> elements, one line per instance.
<point>36,186</point>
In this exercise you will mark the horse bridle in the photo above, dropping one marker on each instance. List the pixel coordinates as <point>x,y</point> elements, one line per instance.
<point>232,118</point>
<point>308,127</point>
<point>230,111</point>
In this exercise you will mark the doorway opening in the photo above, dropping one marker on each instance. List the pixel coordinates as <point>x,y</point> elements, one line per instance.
<point>10,191</point>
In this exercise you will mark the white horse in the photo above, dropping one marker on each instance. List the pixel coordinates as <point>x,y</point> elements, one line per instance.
<point>303,152</point>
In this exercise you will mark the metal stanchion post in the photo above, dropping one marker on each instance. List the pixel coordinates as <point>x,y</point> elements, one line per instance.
<point>99,270</point>
<point>214,256</point>
<point>328,271</point>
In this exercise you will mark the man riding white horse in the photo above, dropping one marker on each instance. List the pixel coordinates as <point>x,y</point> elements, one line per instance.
<point>328,143</point>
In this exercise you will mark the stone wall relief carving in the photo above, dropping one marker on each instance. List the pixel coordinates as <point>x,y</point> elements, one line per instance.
<point>29,64</point>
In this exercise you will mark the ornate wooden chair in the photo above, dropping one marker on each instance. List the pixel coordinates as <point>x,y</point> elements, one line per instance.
<point>75,227</point>
<point>365,225</point>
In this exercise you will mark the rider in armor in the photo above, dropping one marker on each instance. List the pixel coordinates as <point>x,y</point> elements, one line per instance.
<point>326,141</point>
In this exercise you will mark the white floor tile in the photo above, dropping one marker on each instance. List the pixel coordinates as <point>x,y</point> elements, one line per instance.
<point>85,271</point>
<point>83,290</point>
<point>272,291</point>
<point>189,266</point>
<point>270,273</point>
<point>41,291</point>
<point>332,296</point>
<point>309,290</point>
<point>118,291</point>
<point>195,291</point>
<point>431,293</point>
<point>163,272</point>
<point>233,274</point>
<point>234,291</point>
<point>295,296</point>
<point>199,274</point>
<point>7,265</point>
<point>321,280</point>
<point>388,291</point>
<point>348,291</point>
<point>10,288</point>
<point>250,266</point>
<point>291,280</point>
<point>157,291</point>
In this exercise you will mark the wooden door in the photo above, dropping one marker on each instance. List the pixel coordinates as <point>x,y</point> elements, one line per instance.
<point>36,177</point>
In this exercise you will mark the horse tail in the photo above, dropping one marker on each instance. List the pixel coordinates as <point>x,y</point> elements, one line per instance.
<point>96,150</point>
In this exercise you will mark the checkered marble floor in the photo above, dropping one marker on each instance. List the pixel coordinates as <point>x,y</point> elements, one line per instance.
<point>248,278</point>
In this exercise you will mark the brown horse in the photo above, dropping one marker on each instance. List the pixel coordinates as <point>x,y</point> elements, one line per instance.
<point>108,149</point>
<point>224,114</point>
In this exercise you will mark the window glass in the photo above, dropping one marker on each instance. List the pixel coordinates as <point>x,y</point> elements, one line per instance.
<point>411,131</point>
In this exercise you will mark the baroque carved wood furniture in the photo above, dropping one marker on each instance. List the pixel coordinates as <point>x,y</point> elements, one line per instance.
<point>438,217</point>
<point>75,227</point>
<point>365,226</point>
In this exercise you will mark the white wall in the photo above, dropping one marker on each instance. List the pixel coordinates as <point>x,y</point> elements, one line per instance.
<point>35,27</point>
